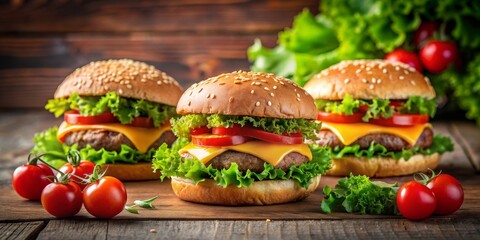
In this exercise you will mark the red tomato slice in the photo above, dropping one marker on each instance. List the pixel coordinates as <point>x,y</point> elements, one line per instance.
<point>200,130</point>
<point>295,138</point>
<point>399,120</point>
<point>143,122</point>
<point>73,117</point>
<point>218,140</point>
<point>340,118</point>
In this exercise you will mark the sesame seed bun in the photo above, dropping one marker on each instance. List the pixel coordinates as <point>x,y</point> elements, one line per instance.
<point>259,193</point>
<point>250,94</point>
<point>368,79</point>
<point>383,167</point>
<point>128,78</point>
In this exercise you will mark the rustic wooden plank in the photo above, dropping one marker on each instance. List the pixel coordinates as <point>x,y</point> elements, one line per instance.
<point>74,229</point>
<point>31,68</point>
<point>201,16</point>
<point>468,136</point>
<point>21,230</point>
<point>432,228</point>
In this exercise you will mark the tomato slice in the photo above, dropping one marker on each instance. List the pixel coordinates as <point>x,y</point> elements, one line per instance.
<point>399,120</point>
<point>340,118</point>
<point>73,117</point>
<point>295,138</point>
<point>200,130</point>
<point>142,122</point>
<point>218,140</point>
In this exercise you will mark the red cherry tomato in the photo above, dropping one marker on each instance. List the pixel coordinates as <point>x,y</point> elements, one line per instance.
<point>340,118</point>
<point>105,198</point>
<point>143,122</point>
<point>406,57</point>
<point>437,55</point>
<point>424,32</point>
<point>448,193</point>
<point>401,120</point>
<point>62,199</point>
<point>415,201</point>
<point>30,179</point>
<point>218,140</point>
<point>294,138</point>
<point>73,117</point>
<point>80,169</point>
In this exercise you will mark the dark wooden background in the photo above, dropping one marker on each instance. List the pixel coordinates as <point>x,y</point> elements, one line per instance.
<point>41,41</point>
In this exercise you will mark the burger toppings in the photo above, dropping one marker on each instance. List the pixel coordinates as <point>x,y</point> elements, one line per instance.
<point>110,108</point>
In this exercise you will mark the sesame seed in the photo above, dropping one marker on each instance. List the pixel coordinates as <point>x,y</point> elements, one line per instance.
<point>397,68</point>
<point>343,71</point>
<point>374,80</point>
<point>274,87</point>
<point>379,81</point>
<point>237,82</point>
<point>266,88</point>
<point>401,77</point>
<point>406,72</point>
<point>208,95</point>
<point>281,83</point>
<point>298,99</point>
<point>190,94</point>
<point>412,82</point>
<point>347,80</point>
<point>252,92</point>
<point>230,99</point>
<point>257,104</point>
<point>221,83</point>
<point>263,80</point>
<point>188,103</point>
<point>199,91</point>
<point>364,80</point>
<point>129,86</point>
<point>426,79</point>
<point>269,103</point>
<point>120,91</point>
<point>298,95</point>
<point>257,83</point>
<point>272,94</point>
<point>368,68</point>
<point>143,80</point>
<point>213,96</point>
<point>358,71</point>
<point>253,83</point>
<point>159,82</point>
<point>371,86</point>
<point>384,70</point>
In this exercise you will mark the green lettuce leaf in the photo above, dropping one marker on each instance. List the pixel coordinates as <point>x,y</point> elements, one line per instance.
<point>357,194</point>
<point>169,162</point>
<point>440,144</point>
<point>125,109</point>
<point>56,153</point>
<point>184,125</point>
<point>419,105</point>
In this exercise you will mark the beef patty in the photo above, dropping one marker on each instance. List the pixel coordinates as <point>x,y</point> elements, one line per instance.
<point>391,142</point>
<point>246,161</point>
<point>111,141</point>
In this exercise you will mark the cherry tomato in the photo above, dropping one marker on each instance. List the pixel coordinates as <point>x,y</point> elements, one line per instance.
<point>340,118</point>
<point>105,198</point>
<point>424,32</point>
<point>80,169</point>
<point>62,199</point>
<point>448,193</point>
<point>218,140</point>
<point>143,122</point>
<point>200,130</point>
<point>294,138</point>
<point>406,57</point>
<point>73,117</point>
<point>30,179</point>
<point>415,201</point>
<point>401,120</point>
<point>437,55</point>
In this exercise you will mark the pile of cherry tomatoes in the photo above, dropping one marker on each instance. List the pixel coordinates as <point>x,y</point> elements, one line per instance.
<point>63,194</point>
<point>435,54</point>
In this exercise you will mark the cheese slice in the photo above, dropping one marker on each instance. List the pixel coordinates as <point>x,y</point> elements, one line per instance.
<point>269,152</point>
<point>142,138</point>
<point>350,132</point>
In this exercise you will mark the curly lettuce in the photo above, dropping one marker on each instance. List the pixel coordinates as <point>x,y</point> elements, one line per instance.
<point>184,125</point>
<point>440,145</point>
<point>55,152</point>
<point>125,109</point>
<point>171,164</point>
<point>357,194</point>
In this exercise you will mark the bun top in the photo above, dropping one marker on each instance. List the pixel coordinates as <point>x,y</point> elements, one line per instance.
<point>368,79</point>
<point>250,94</point>
<point>128,78</point>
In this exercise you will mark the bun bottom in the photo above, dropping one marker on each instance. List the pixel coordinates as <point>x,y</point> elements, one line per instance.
<point>383,167</point>
<point>131,172</point>
<point>265,192</point>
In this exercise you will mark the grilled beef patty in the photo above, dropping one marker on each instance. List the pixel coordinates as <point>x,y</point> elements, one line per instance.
<point>109,140</point>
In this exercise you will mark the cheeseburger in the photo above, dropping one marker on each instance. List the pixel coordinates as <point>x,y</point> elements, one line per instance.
<point>375,118</point>
<point>116,113</point>
<point>241,142</point>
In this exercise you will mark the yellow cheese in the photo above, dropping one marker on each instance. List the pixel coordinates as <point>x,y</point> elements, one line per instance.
<point>142,138</point>
<point>269,152</point>
<point>350,132</point>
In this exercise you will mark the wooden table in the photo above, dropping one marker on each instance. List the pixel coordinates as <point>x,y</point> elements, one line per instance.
<point>174,218</point>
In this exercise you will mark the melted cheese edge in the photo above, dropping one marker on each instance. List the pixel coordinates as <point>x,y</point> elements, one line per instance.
<point>269,152</point>
<point>142,138</point>
<point>350,132</point>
